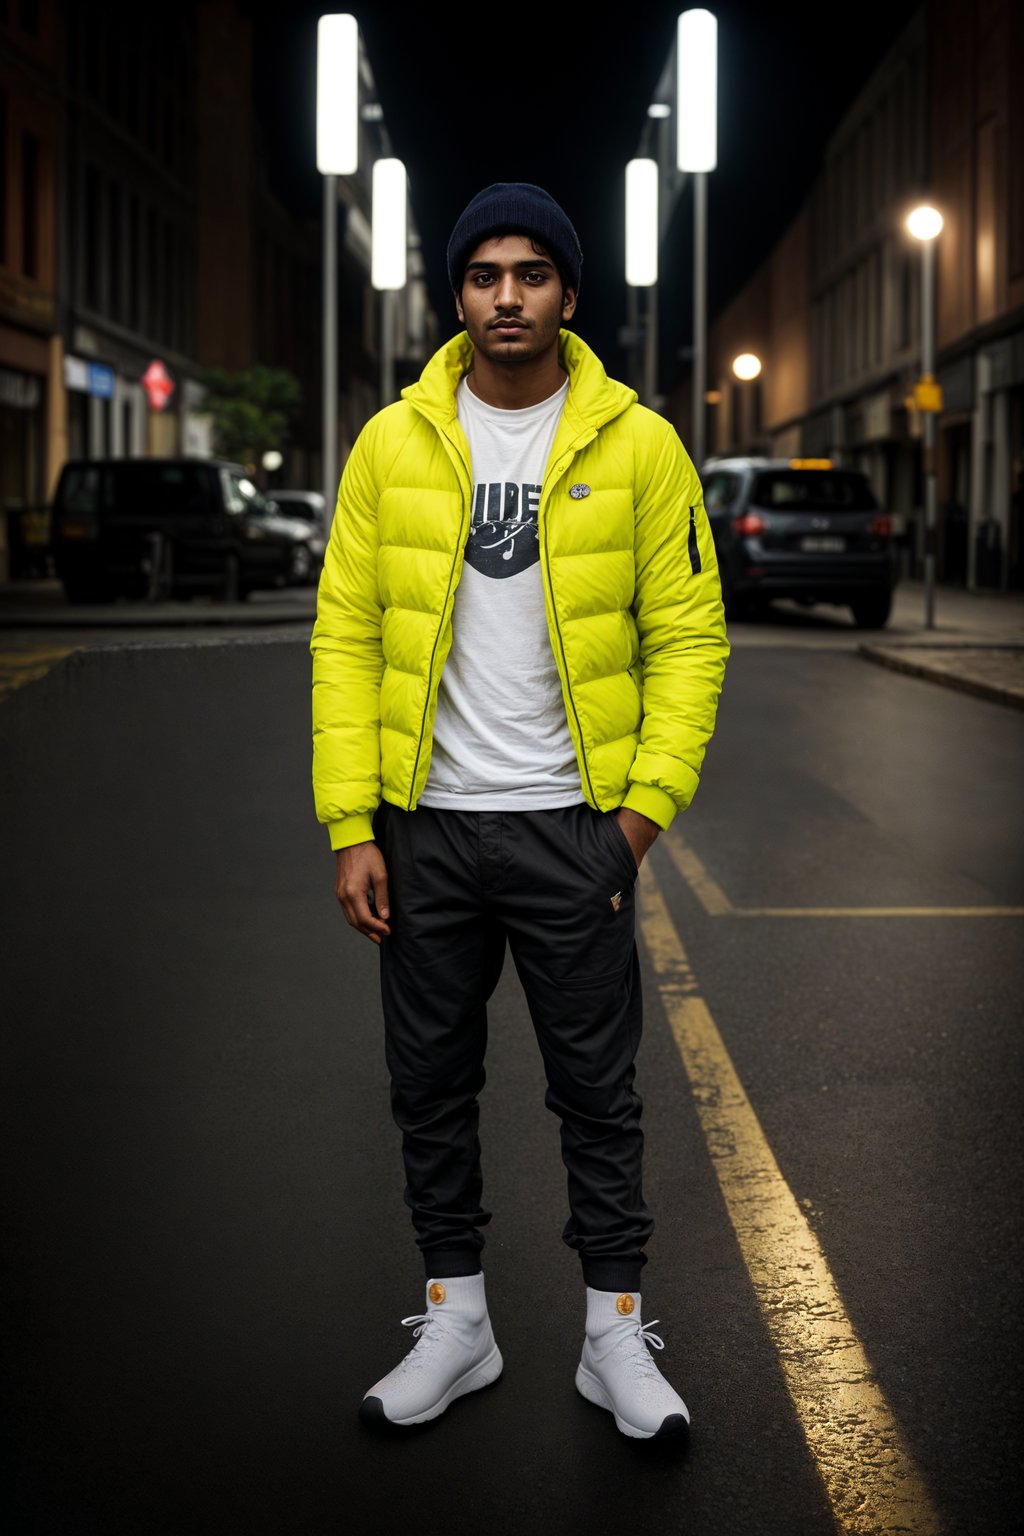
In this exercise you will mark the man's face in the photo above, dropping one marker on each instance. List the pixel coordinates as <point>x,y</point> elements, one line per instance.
<point>511,301</point>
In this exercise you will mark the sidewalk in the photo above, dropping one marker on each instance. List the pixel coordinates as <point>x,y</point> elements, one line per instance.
<point>977,644</point>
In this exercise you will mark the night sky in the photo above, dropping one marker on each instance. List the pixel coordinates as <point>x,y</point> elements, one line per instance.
<point>557,94</point>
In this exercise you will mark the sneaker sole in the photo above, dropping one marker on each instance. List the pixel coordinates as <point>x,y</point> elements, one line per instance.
<point>675,1426</point>
<point>371,1409</point>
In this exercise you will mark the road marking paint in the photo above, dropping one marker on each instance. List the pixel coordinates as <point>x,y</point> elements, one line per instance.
<point>870,1478</point>
<point>18,667</point>
<point>717,904</point>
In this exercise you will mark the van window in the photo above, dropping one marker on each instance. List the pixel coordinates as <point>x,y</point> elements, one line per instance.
<point>157,489</point>
<point>80,489</point>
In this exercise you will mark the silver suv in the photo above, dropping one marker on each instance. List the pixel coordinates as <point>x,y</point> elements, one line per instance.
<point>803,529</point>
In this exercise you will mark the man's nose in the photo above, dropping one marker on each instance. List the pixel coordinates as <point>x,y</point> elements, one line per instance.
<point>506,294</point>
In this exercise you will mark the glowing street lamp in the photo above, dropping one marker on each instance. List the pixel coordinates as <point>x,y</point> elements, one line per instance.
<point>337,154</point>
<point>925,224</point>
<point>697,152</point>
<point>642,257</point>
<point>746,366</point>
<point>388,258</point>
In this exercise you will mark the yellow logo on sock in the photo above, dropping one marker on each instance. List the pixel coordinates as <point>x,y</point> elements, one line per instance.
<point>625,1304</point>
<point>437,1293</point>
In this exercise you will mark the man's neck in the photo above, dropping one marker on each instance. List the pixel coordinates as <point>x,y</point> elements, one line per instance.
<point>514,386</point>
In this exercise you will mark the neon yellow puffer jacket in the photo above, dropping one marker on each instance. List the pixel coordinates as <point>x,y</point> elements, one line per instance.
<point>631,589</point>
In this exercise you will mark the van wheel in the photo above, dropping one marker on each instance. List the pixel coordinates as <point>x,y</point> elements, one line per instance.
<point>872,612</point>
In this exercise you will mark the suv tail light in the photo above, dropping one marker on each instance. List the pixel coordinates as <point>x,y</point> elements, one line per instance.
<point>749,524</point>
<point>881,526</point>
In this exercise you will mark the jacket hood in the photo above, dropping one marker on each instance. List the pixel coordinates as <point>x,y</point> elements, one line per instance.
<point>593,399</point>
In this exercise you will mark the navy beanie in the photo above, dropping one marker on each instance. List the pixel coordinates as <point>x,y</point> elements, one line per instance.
<point>515,208</point>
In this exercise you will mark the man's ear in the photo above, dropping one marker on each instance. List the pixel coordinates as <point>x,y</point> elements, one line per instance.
<point>568,303</point>
<point>458,307</point>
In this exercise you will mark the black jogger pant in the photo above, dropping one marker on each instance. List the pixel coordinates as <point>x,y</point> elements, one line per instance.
<point>558,886</point>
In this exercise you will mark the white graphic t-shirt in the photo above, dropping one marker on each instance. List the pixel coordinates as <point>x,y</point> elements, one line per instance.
<point>501,742</point>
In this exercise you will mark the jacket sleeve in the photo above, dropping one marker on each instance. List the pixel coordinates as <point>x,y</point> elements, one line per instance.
<point>348,659</point>
<point>681,624</point>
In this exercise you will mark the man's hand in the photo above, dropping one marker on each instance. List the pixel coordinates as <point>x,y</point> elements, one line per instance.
<point>362,880</point>
<point>639,831</point>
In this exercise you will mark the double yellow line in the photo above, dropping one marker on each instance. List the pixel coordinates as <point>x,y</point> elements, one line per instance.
<point>872,1483</point>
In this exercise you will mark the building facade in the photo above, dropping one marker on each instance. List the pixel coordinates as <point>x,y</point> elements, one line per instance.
<point>31,387</point>
<point>835,311</point>
<point>138,227</point>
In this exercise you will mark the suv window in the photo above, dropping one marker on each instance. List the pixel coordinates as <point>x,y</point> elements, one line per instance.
<point>719,490</point>
<point>820,490</point>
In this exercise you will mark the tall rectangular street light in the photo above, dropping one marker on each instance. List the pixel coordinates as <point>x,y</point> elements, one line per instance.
<point>697,152</point>
<point>642,257</point>
<point>337,154</point>
<point>925,224</point>
<point>388,258</point>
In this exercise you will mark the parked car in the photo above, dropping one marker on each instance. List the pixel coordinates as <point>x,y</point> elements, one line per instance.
<point>311,506</point>
<point>803,529</point>
<point>136,527</point>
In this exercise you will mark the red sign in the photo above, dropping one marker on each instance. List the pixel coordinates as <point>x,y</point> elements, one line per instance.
<point>158,384</point>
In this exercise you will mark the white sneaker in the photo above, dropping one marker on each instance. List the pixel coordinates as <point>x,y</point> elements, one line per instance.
<point>454,1353</point>
<point>617,1370</point>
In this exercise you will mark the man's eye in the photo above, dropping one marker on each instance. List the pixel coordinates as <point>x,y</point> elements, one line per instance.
<point>481,278</point>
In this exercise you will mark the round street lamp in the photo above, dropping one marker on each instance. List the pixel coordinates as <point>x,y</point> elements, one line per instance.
<point>925,223</point>
<point>746,366</point>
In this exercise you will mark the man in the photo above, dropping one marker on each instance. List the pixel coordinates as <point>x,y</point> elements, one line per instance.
<point>518,652</point>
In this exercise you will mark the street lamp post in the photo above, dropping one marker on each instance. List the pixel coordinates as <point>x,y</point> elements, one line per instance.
<point>642,257</point>
<point>696,152</point>
<point>388,259</point>
<point>924,224</point>
<point>747,368</point>
<point>337,154</point>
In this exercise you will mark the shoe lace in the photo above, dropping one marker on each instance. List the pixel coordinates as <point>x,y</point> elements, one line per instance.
<point>426,1330</point>
<point>643,1362</point>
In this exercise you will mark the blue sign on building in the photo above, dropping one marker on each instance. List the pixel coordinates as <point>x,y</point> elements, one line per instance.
<point>101,381</point>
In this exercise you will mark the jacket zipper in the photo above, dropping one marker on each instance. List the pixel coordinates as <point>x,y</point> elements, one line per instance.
<point>433,653</point>
<point>561,644</point>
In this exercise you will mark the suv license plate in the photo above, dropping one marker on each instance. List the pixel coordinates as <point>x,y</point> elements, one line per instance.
<point>823,543</point>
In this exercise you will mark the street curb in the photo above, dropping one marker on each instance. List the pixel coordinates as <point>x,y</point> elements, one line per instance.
<point>993,692</point>
<point>139,623</point>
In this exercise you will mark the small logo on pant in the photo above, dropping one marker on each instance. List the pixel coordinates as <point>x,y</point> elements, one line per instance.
<point>616,901</point>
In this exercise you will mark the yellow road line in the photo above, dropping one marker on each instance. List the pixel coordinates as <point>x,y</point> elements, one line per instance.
<point>717,904</point>
<point>18,667</point>
<point>871,1481</point>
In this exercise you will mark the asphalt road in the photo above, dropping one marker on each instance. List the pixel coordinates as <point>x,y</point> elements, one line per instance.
<point>207,1253</point>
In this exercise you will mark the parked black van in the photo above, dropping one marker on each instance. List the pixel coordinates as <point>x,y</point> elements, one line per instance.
<point>163,527</point>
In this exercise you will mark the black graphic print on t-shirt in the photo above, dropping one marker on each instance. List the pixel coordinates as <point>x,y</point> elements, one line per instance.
<point>503,537</point>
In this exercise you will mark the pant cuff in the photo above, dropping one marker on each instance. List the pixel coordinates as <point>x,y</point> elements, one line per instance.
<point>613,1274</point>
<point>451,1263</point>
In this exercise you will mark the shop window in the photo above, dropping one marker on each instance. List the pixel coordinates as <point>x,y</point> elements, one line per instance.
<point>30,205</point>
<point>114,238</point>
<point>3,178</point>
<point>92,237</point>
<point>134,264</point>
